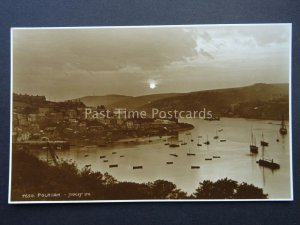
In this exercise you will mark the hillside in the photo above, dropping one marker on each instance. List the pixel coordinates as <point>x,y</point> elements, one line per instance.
<point>123,101</point>
<point>255,101</point>
<point>268,100</point>
<point>284,87</point>
<point>137,102</point>
<point>102,100</point>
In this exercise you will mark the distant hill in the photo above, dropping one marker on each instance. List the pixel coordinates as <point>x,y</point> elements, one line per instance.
<point>140,101</point>
<point>222,100</point>
<point>102,100</point>
<point>283,86</point>
<point>218,98</point>
<point>123,101</point>
<point>269,99</point>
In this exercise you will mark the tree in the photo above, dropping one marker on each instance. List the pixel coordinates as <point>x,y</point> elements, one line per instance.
<point>246,191</point>
<point>205,190</point>
<point>178,194</point>
<point>227,189</point>
<point>161,189</point>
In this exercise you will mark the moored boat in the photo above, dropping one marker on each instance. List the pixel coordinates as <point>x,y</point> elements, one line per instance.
<point>137,167</point>
<point>263,142</point>
<point>268,163</point>
<point>113,165</point>
<point>253,147</point>
<point>207,141</point>
<point>216,136</point>
<point>195,167</point>
<point>283,130</point>
<point>173,145</point>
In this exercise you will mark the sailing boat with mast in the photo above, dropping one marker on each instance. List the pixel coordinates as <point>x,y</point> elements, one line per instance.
<point>184,141</point>
<point>253,147</point>
<point>192,140</point>
<point>207,141</point>
<point>263,142</point>
<point>269,163</point>
<point>283,130</point>
<point>189,153</point>
<point>216,137</point>
<point>199,141</point>
<point>173,145</point>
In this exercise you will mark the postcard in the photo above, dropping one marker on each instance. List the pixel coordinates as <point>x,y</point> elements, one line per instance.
<point>151,113</point>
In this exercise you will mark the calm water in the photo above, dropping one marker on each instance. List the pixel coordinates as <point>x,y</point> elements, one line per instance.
<point>235,160</point>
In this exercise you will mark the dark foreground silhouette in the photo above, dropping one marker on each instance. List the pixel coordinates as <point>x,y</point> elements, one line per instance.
<point>35,180</point>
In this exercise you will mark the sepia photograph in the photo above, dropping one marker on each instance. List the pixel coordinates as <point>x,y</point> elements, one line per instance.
<point>151,113</point>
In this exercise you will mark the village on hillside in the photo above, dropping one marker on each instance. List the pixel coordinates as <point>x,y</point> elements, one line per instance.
<point>36,119</point>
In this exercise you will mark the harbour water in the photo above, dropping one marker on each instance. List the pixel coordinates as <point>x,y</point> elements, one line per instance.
<point>233,160</point>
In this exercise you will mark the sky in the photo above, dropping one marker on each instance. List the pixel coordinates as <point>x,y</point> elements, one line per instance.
<point>70,63</point>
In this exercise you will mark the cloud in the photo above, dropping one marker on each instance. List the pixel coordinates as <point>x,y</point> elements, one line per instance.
<point>102,49</point>
<point>205,53</point>
<point>68,63</point>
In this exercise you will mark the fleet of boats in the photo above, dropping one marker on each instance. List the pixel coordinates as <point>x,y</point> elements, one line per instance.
<point>188,140</point>
<point>264,162</point>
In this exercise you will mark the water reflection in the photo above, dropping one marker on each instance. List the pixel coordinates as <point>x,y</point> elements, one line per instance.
<point>225,156</point>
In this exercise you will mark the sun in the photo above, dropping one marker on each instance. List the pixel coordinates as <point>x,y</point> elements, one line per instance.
<point>152,84</point>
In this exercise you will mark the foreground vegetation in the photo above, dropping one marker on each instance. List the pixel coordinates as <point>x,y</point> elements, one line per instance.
<point>31,176</point>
